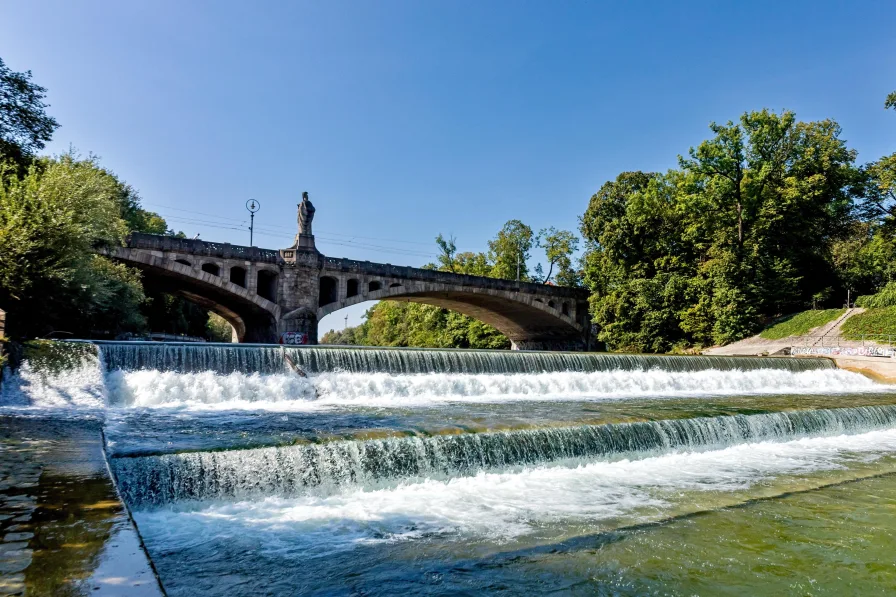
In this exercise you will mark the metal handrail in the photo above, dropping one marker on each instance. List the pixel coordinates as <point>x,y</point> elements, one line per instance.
<point>865,339</point>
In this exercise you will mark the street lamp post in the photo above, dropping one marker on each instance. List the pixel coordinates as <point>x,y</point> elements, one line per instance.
<point>253,206</point>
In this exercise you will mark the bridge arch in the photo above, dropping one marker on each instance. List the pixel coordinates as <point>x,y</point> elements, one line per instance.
<point>526,320</point>
<point>266,284</point>
<point>329,290</point>
<point>253,317</point>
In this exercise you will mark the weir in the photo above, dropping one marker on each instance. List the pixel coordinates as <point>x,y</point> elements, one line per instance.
<point>295,470</point>
<point>333,454</point>
<point>228,358</point>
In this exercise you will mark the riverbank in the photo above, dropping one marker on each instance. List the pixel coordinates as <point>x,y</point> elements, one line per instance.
<point>64,529</point>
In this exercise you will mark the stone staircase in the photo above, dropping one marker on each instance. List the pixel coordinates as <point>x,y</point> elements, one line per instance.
<point>833,328</point>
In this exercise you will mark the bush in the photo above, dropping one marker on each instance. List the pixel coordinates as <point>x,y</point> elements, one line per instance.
<point>886,297</point>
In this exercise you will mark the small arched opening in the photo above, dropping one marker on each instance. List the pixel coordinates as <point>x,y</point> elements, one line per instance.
<point>211,268</point>
<point>551,304</point>
<point>351,288</point>
<point>238,276</point>
<point>267,285</point>
<point>395,285</point>
<point>183,262</point>
<point>374,286</point>
<point>328,291</point>
<point>565,308</point>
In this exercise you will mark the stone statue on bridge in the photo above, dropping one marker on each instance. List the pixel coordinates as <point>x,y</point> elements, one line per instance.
<point>306,214</point>
<point>305,239</point>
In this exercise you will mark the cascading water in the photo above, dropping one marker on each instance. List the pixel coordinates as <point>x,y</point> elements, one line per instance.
<point>294,470</point>
<point>227,358</point>
<point>377,456</point>
<point>221,376</point>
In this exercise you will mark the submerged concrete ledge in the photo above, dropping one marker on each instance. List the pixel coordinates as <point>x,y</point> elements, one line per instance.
<point>63,528</point>
<point>881,369</point>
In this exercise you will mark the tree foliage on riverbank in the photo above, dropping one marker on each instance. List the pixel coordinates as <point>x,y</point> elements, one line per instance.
<point>54,213</point>
<point>767,217</point>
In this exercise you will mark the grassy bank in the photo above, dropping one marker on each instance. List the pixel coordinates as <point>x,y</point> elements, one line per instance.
<point>872,321</point>
<point>799,324</point>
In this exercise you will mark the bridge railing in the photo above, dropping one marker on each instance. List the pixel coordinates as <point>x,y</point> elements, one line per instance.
<point>157,242</point>
<point>387,270</point>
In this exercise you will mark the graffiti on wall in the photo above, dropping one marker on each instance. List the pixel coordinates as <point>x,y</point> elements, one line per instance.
<point>293,338</point>
<point>844,351</point>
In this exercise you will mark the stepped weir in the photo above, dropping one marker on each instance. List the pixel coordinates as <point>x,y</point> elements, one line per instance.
<point>353,461</point>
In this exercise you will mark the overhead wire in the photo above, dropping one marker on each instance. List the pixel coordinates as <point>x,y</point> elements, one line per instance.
<point>323,237</point>
<point>274,226</point>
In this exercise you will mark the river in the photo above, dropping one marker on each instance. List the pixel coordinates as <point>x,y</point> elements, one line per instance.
<point>455,472</point>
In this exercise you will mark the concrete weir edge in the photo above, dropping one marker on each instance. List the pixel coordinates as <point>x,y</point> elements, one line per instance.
<point>134,527</point>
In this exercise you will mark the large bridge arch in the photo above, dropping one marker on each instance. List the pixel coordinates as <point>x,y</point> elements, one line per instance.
<point>529,321</point>
<point>253,317</point>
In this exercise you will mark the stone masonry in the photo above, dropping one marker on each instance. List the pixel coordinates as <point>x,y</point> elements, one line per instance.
<point>279,296</point>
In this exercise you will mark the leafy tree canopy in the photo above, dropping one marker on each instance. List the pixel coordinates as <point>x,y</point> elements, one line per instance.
<point>509,251</point>
<point>25,127</point>
<point>50,221</point>
<point>559,246</point>
<point>753,224</point>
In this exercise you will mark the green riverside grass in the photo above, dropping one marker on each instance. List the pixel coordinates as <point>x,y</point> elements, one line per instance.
<point>872,321</point>
<point>800,324</point>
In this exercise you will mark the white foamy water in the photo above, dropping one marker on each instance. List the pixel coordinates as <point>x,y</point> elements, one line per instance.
<point>289,392</point>
<point>499,507</point>
<point>207,389</point>
<point>79,389</point>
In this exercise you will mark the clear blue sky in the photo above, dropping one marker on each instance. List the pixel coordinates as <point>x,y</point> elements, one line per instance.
<point>409,119</point>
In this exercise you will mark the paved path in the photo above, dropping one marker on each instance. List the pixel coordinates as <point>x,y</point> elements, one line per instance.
<point>825,335</point>
<point>63,530</point>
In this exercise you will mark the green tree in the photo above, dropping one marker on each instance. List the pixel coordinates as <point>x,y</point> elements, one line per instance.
<point>137,218</point>
<point>50,279</point>
<point>559,246</point>
<point>447,251</point>
<point>890,102</point>
<point>393,323</point>
<point>352,336</point>
<point>218,329</point>
<point>473,264</point>
<point>25,127</point>
<point>509,251</point>
<point>705,253</point>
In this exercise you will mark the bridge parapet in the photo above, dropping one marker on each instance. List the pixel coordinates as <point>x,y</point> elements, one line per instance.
<point>157,242</point>
<point>386,270</point>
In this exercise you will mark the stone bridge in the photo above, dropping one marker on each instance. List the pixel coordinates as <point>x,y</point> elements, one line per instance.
<point>279,296</point>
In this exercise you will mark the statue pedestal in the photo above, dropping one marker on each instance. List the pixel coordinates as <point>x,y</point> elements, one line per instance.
<point>302,250</point>
<point>305,242</point>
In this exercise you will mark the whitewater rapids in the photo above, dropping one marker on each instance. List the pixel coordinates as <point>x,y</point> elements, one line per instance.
<point>150,388</point>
